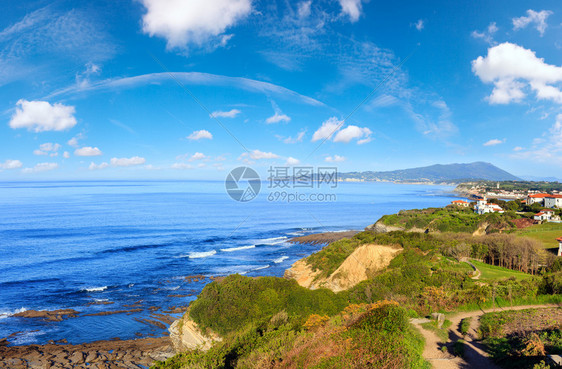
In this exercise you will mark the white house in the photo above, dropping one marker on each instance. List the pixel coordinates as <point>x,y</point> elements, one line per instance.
<point>559,246</point>
<point>483,207</point>
<point>462,203</point>
<point>536,198</point>
<point>553,201</point>
<point>546,214</point>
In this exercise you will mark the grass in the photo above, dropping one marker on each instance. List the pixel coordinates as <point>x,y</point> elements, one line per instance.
<point>465,326</point>
<point>546,233</point>
<point>491,272</point>
<point>442,333</point>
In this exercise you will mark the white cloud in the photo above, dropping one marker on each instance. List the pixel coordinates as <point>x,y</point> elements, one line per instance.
<point>334,126</point>
<point>518,148</point>
<point>419,25</point>
<point>66,155</point>
<point>127,162</point>
<point>487,35</point>
<point>276,118</point>
<point>11,164</point>
<point>192,78</point>
<point>47,149</point>
<point>186,22</point>
<point>334,159</point>
<point>257,155</point>
<point>327,129</point>
<point>304,9</point>
<point>537,18</point>
<point>548,149</point>
<point>353,132</point>
<point>199,135</point>
<point>74,140</point>
<point>291,140</point>
<point>40,167</point>
<point>94,166</point>
<point>292,161</point>
<point>511,67</point>
<point>197,156</point>
<point>87,151</point>
<point>41,116</point>
<point>225,114</point>
<point>352,8</point>
<point>182,166</point>
<point>493,142</point>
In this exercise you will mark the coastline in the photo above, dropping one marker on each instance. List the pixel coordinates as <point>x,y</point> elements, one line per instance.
<point>114,353</point>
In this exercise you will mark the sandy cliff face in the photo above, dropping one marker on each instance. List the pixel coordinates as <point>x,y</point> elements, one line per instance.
<point>186,335</point>
<point>363,261</point>
<point>379,227</point>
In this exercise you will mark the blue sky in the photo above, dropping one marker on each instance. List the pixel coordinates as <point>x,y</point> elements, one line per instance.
<point>184,89</point>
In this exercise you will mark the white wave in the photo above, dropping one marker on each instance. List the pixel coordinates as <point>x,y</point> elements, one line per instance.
<point>231,249</point>
<point>131,285</point>
<point>27,337</point>
<point>280,260</point>
<point>5,314</point>
<point>273,239</point>
<point>198,255</point>
<point>94,289</point>
<point>260,268</point>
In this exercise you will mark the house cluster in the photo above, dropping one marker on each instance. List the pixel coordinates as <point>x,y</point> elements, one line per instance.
<point>545,199</point>
<point>547,215</point>
<point>483,207</point>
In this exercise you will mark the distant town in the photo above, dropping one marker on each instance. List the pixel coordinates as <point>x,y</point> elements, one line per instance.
<point>544,199</point>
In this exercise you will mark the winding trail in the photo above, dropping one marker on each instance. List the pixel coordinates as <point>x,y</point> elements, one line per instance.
<point>475,355</point>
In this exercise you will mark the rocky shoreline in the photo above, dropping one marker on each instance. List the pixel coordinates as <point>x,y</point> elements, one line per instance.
<point>101,354</point>
<point>115,353</point>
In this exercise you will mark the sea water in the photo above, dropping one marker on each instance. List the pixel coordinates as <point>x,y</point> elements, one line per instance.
<point>122,245</point>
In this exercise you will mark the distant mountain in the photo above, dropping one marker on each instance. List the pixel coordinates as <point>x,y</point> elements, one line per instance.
<point>438,173</point>
<point>541,179</point>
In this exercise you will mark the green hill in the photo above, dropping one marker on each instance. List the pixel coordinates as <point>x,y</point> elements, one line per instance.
<point>451,173</point>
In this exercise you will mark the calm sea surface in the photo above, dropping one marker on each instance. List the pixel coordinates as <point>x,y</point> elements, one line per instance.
<point>78,244</point>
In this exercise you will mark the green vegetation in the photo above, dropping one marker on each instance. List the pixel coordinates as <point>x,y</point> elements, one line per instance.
<point>459,347</point>
<point>450,219</point>
<point>374,336</point>
<point>224,306</point>
<point>442,333</point>
<point>271,322</point>
<point>546,233</point>
<point>492,272</point>
<point>522,186</point>
<point>522,339</point>
<point>465,326</point>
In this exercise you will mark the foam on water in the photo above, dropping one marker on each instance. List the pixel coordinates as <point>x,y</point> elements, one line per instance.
<point>232,249</point>
<point>199,255</point>
<point>280,260</point>
<point>94,289</point>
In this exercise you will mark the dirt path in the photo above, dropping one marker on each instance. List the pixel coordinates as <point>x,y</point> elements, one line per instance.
<point>475,356</point>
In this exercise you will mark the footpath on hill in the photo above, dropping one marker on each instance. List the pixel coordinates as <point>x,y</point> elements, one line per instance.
<point>475,355</point>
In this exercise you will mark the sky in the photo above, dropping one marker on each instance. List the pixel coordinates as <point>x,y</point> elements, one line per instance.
<point>185,89</point>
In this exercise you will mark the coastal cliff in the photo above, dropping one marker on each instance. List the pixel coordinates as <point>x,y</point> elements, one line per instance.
<point>186,335</point>
<point>357,267</point>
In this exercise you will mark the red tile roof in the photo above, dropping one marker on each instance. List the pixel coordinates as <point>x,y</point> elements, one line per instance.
<point>459,202</point>
<point>559,239</point>
<point>554,196</point>
<point>539,195</point>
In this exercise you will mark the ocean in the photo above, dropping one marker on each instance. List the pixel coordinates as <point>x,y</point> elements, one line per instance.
<point>129,245</point>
